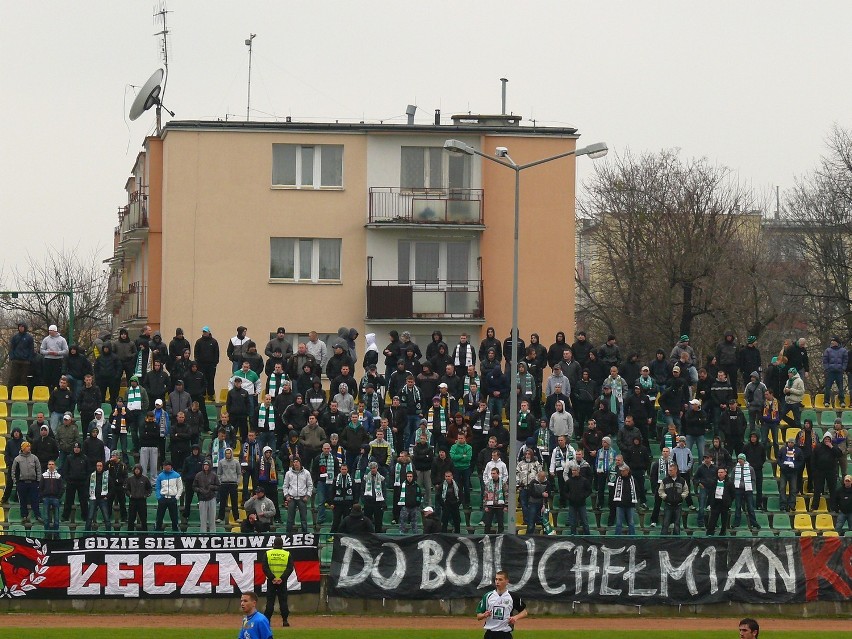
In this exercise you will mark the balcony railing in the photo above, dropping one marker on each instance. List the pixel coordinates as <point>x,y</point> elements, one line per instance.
<point>134,303</point>
<point>134,217</point>
<point>390,205</point>
<point>453,299</point>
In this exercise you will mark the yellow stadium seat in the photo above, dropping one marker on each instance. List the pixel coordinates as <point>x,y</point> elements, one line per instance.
<point>831,533</point>
<point>4,409</point>
<point>807,402</point>
<point>3,463</point>
<point>3,427</point>
<point>741,399</point>
<point>20,394</point>
<point>809,533</point>
<point>223,395</point>
<point>791,433</point>
<point>41,394</point>
<point>821,507</point>
<point>819,400</point>
<point>2,515</point>
<point>824,522</point>
<point>4,393</point>
<point>803,522</point>
<point>800,504</point>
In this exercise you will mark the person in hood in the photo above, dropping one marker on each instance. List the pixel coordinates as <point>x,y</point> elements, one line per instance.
<point>841,503</point>
<point>206,486</point>
<point>237,348</point>
<point>835,360</point>
<point>355,523</point>
<point>207,356</point>
<point>371,355</point>
<point>280,343</point>
<point>125,350</point>
<point>76,472</point>
<point>727,356</point>
<point>21,356</point>
<point>159,351</point>
<point>176,347</point>
<point>45,447</point>
<point>138,488</point>
<point>229,472</point>
<point>13,449</point>
<point>108,372</point>
<point>351,344</point>
<point>88,399</point>
<point>437,340</point>
<point>554,353</point>
<point>75,367</point>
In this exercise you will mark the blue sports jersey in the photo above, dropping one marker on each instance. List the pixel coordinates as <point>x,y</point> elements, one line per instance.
<point>255,626</point>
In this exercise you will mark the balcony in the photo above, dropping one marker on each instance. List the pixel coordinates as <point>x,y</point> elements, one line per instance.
<point>133,220</point>
<point>395,207</point>
<point>133,304</point>
<point>442,299</point>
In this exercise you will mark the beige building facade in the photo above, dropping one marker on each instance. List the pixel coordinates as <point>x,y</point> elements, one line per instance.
<point>321,226</point>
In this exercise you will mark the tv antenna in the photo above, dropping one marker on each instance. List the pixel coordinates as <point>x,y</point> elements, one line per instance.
<point>148,97</point>
<point>160,16</point>
<point>249,41</point>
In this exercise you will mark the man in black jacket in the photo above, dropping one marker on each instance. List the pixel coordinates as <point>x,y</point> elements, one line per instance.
<point>207,356</point>
<point>355,523</point>
<point>721,496</point>
<point>672,490</point>
<point>76,472</point>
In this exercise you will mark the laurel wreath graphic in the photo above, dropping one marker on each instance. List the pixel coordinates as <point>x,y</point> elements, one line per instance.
<point>35,577</point>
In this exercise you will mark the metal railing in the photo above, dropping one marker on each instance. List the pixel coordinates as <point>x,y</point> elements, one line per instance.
<point>425,206</point>
<point>445,299</point>
<point>134,303</point>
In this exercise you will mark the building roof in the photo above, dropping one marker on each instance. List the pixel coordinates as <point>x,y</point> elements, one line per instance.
<point>338,127</point>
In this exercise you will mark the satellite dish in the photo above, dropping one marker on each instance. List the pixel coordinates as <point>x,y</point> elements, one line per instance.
<point>149,97</point>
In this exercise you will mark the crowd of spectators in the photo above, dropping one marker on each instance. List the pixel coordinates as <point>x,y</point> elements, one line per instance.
<point>418,430</point>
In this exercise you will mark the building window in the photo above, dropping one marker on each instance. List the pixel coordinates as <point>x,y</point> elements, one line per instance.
<point>432,263</point>
<point>307,166</point>
<point>304,259</point>
<point>429,167</point>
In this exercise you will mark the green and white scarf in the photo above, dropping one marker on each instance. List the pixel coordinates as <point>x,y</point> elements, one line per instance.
<point>104,484</point>
<point>374,486</point>
<point>562,456</point>
<point>495,493</point>
<point>402,492</point>
<point>542,441</point>
<point>720,490</point>
<point>326,468</point>
<point>442,416</point>
<point>276,383</point>
<point>343,486</point>
<point>399,472</point>
<point>446,487</point>
<point>134,398</point>
<point>467,382</point>
<point>266,417</point>
<point>742,478</point>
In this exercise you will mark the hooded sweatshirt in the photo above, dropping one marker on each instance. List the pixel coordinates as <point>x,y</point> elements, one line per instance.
<point>371,355</point>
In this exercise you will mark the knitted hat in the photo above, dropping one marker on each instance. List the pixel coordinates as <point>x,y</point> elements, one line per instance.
<point>793,371</point>
<point>741,456</point>
<point>684,338</point>
<point>751,339</point>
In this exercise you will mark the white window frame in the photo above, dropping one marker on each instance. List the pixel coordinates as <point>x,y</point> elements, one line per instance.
<point>442,260</point>
<point>313,276</point>
<point>317,168</point>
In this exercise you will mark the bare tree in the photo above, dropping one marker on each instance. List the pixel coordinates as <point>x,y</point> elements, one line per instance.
<point>59,271</point>
<point>676,250</point>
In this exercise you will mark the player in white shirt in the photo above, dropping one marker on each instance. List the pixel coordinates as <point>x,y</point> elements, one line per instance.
<point>497,606</point>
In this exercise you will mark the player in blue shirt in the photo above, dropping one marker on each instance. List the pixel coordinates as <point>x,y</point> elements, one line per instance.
<point>255,624</point>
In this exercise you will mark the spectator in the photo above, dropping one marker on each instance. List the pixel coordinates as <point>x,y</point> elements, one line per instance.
<point>75,367</point>
<point>374,496</point>
<point>53,350</point>
<point>108,371</point>
<point>755,453</point>
<point>624,498</point>
<point>260,512</point>
<point>169,488</point>
<point>342,495</point>
<point>732,425</point>
<point>672,490</point>
<point>89,400</point>
<point>138,488</point>
<point>794,391</point>
<point>790,462</point>
<point>45,447</point>
<point>206,485</point>
<point>61,401</point>
<point>355,523</point>
<point>721,496</point>
<point>228,471</point>
<point>12,450</point>
<point>744,482</point>
<point>408,498</point>
<point>806,441</point>
<point>21,356</point>
<point>835,360</point>
<point>824,464</point>
<point>76,472</point>
<point>537,494</point>
<point>98,496</point>
<point>705,481</point>
<point>298,488</point>
<point>842,504</point>
<point>116,494</point>
<point>494,500</point>
<point>50,490</point>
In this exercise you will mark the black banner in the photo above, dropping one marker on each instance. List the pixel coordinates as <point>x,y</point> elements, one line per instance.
<point>149,566</point>
<point>600,570</point>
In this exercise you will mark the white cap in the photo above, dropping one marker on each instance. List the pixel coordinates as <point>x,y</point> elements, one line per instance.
<point>443,385</point>
<point>695,402</point>
<point>428,509</point>
<point>265,448</point>
<point>52,327</point>
<point>158,402</point>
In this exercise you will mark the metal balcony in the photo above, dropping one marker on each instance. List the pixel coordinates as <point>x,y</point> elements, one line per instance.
<point>392,206</point>
<point>441,299</point>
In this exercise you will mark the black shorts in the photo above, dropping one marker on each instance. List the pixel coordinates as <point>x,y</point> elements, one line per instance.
<point>498,634</point>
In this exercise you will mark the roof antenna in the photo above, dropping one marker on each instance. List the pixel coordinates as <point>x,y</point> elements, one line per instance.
<point>504,81</point>
<point>249,40</point>
<point>160,16</point>
<point>410,110</point>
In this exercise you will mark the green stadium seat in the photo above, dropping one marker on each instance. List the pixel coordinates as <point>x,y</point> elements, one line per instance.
<point>106,407</point>
<point>827,418</point>
<point>41,407</point>
<point>770,486</point>
<point>781,521</point>
<point>811,414</point>
<point>762,519</point>
<point>846,418</point>
<point>20,409</point>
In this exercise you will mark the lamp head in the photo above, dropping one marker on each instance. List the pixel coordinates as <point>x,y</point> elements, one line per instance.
<point>457,146</point>
<point>501,152</point>
<point>594,151</point>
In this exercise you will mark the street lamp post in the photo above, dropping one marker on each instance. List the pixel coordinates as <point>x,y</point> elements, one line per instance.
<point>594,151</point>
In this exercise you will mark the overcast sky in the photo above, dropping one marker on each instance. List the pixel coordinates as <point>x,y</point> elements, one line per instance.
<point>751,85</point>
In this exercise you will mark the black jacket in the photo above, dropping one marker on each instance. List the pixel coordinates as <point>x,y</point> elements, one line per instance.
<point>356,524</point>
<point>76,468</point>
<point>207,350</point>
